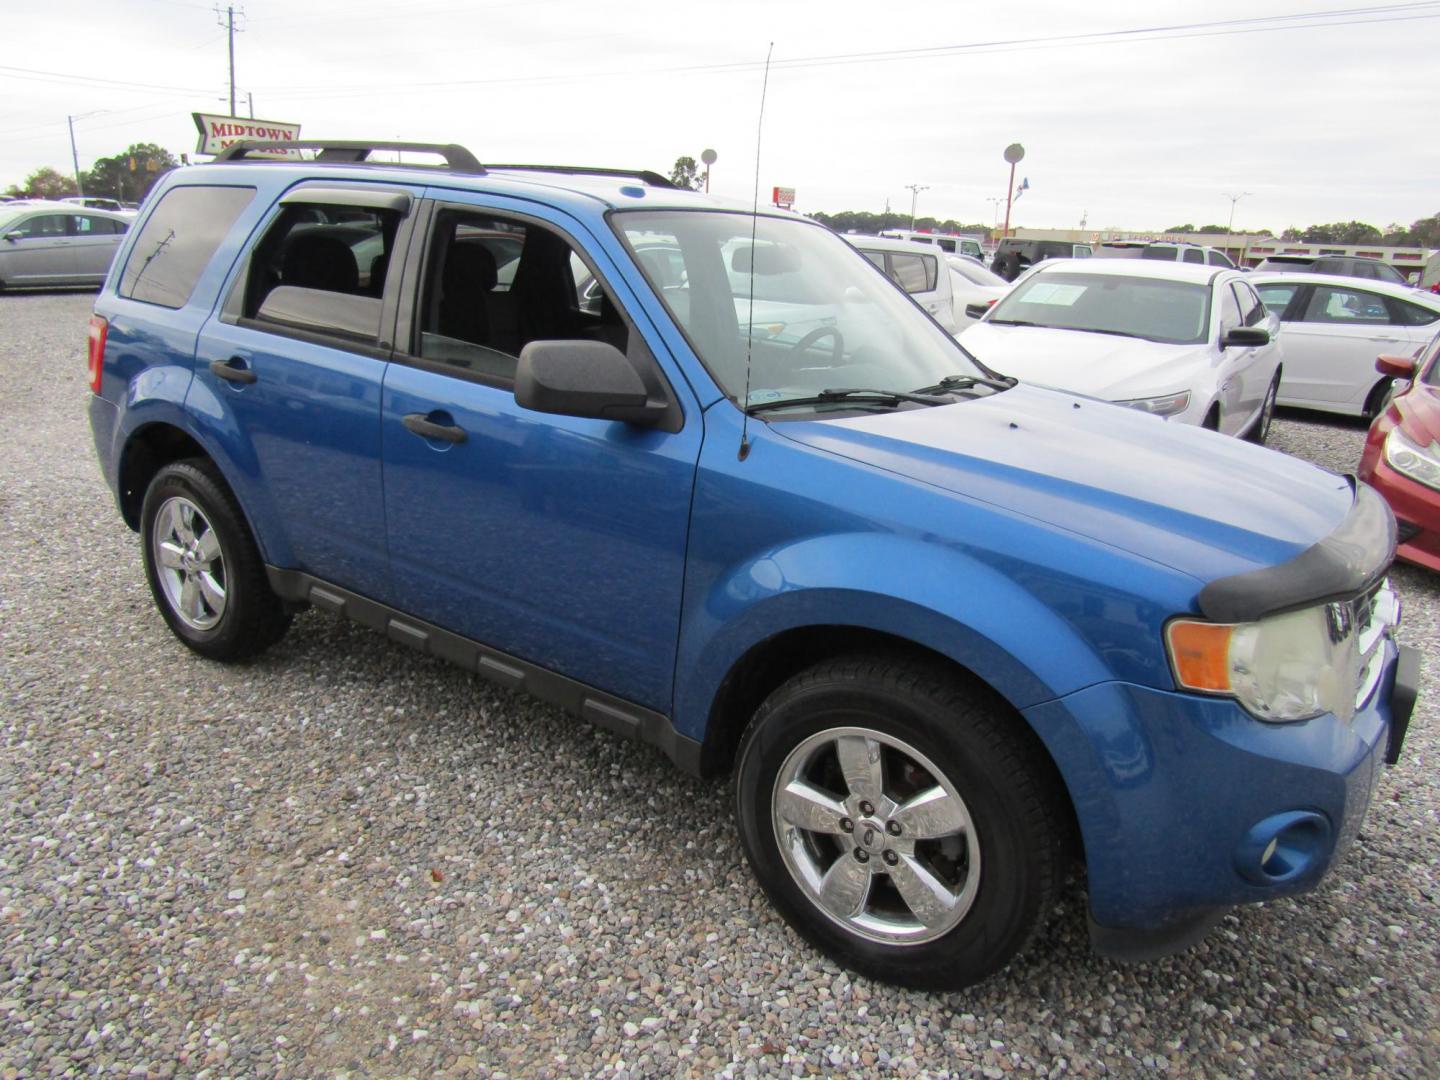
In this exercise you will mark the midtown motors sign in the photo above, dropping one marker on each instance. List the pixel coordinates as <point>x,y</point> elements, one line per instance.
<point>218,132</point>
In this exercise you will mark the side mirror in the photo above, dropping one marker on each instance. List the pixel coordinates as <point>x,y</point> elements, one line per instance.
<point>584,378</point>
<point>14,235</point>
<point>1399,367</point>
<point>976,311</point>
<point>1245,337</point>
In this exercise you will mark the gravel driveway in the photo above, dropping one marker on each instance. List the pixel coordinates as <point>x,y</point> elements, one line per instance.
<point>346,858</point>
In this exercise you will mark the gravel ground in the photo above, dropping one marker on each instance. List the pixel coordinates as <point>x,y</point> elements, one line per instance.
<point>347,859</point>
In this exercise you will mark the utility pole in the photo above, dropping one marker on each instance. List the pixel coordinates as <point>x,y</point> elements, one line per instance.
<point>250,97</point>
<point>995,201</point>
<point>228,21</point>
<point>75,157</point>
<point>915,190</point>
<point>1230,228</point>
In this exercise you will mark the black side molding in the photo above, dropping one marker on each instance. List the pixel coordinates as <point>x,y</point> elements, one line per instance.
<point>1402,700</point>
<point>1349,561</point>
<point>599,708</point>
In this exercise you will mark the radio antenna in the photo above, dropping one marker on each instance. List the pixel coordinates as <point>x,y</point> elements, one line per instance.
<point>754,221</point>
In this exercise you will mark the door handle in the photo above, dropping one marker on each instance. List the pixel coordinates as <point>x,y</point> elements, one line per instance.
<point>232,371</point>
<point>423,426</point>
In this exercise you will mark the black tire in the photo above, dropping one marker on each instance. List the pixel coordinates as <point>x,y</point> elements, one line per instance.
<point>1378,398</point>
<point>979,747</point>
<point>1260,430</point>
<point>251,618</point>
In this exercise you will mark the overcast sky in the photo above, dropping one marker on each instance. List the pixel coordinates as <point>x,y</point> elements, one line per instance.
<point>1318,118</point>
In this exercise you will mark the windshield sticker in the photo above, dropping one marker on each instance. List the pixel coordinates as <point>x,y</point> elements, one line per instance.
<point>1053,293</point>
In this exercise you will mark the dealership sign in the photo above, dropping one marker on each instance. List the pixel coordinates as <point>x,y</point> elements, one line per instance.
<point>784,197</point>
<point>218,132</point>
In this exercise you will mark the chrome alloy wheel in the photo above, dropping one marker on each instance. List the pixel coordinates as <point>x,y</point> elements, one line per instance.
<point>189,563</point>
<point>876,836</point>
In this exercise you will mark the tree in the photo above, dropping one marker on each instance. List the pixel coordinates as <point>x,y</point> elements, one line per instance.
<point>1341,232</point>
<point>130,174</point>
<point>686,174</point>
<point>47,183</point>
<point>1186,228</point>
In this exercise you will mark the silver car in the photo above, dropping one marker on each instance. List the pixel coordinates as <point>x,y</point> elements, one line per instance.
<point>55,243</point>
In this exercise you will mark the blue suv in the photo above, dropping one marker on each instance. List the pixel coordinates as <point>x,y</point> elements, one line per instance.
<point>705,477</point>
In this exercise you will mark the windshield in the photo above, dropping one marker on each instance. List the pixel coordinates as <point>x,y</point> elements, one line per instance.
<point>824,317</point>
<point>1175,312</point>
<point>976,274</point>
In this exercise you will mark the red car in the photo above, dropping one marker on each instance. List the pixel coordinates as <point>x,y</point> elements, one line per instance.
<point>1402,454</point>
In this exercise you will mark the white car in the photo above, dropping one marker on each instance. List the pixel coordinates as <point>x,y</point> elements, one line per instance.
<point>46,243</point>
<point>919,269</point>
<point>974,287</point>
<point>1193,344</point>
<point>1335,327</point>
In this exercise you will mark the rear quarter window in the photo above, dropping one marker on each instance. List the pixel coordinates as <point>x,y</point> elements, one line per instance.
<point>177,241</point>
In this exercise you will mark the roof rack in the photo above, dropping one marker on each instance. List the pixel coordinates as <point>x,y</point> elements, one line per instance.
<point>457,158</point>
<point>645,176</point>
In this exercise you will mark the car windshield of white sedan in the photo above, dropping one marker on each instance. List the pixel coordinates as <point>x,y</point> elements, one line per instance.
<point>810,314</point>
<point>1174,312</point>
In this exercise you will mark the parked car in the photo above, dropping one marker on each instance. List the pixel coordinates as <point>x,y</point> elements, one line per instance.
<point>1164,251</point>
<point>918,269</point>
<point>52,243</point>
<point>1430,276</point>
<point>936,623</point>
<point>973,287</point>
<point>95,202</point>
<point>1402,454</point>
<point>1189,343</point>
<point>1014,256</point>
<point>1341,265</point>
<point>951,244</point>
<point>1334,329</point>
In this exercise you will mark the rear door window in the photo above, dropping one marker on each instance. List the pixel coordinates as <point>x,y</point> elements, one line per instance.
<point>177,241</point>
<point>914,273</point>
<point>1194,255</point>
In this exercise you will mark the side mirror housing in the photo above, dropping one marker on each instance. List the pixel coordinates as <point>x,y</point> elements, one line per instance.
<point>976,311</point>
<point>14,234</point>
<point>1246,337</point>
<point>584,378</point>
<point>1399,367</point>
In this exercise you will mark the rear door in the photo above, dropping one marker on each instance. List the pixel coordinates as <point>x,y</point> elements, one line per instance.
<point>558,540</point>
<point>95,239</point>
<point>295,362</point>
<point>921,277</point>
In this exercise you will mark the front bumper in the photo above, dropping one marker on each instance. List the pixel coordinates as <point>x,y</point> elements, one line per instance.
<point>1177,796</point>
<point>1417,514</point>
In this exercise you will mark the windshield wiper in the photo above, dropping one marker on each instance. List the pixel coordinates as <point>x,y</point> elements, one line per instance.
<point>1097,330</point>
<point>965,382</point>
<point>855,394</point>
<point>1017,322</point>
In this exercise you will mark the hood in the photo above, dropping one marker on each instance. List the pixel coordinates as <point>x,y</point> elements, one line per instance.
<point>1101,365</point>
<point>1205,504</point>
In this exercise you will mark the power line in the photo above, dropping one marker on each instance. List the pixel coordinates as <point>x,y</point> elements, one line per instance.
<point>1219,27</point>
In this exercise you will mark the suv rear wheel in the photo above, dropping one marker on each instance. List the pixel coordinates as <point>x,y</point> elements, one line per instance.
<point>899,821</point>
<point>204,568</point>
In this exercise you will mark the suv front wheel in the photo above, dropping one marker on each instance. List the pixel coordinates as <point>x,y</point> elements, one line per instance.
<point>899,820</point>
<point>204,568</point>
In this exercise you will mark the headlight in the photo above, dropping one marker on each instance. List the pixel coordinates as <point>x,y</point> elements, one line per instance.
<point>1168,405</point>
<point>1409,458</point>
<point>1295,666</point>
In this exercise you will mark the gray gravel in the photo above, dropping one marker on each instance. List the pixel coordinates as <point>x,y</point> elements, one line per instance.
<point>347,859</point>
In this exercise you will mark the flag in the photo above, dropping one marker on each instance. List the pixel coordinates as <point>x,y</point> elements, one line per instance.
<point>1022,187</point>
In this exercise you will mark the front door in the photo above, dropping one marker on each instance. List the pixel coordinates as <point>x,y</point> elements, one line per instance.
<point>555,539</point>
<point>38,251</point>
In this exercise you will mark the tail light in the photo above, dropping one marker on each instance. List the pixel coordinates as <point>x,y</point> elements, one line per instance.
<point>99,327</point>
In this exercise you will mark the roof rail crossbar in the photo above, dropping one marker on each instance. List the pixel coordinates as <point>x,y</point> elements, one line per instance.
<point>645,176</point>
<point>457,158</point>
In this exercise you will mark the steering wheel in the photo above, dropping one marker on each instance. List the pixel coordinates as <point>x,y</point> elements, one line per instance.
<point>837,351</point>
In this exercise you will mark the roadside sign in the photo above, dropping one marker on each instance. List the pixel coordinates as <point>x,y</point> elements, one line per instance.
<point>784,197</point>
<point>218,132</point>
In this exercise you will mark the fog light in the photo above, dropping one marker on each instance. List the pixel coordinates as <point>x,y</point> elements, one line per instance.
<point>1284,847</point>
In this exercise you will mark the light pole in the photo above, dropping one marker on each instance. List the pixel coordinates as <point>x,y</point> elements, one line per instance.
<point>1233,200</point>
<point>995,201</point>
<point>915,190</point>
<point>1014,153</point>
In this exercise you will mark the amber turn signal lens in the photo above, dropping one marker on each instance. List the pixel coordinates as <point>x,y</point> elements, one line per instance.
<point>1200,652</point>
